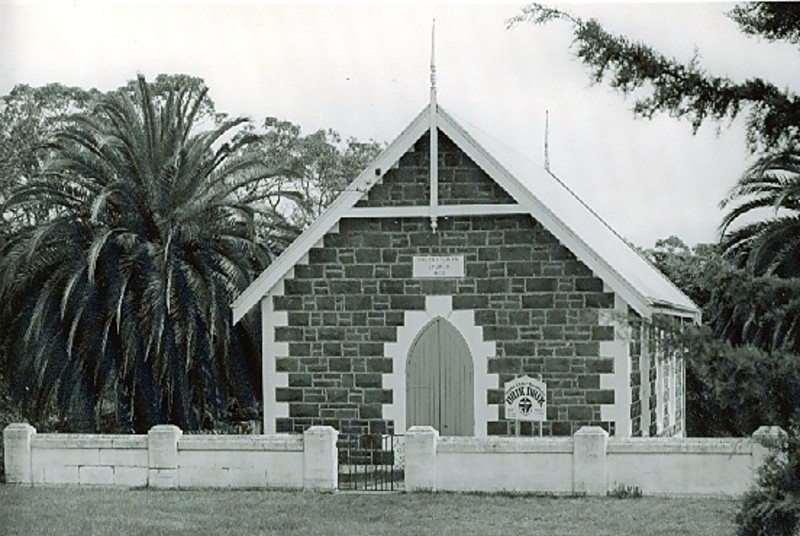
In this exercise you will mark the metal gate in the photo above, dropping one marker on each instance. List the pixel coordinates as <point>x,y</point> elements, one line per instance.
<point>370,463</point>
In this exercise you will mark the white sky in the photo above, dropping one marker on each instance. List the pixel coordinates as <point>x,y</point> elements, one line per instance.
<point>363,70</point>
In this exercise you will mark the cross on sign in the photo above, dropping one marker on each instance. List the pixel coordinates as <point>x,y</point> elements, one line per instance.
<point>525,405</point>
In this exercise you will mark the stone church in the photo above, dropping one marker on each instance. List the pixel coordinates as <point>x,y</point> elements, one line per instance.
<point>450,266</point>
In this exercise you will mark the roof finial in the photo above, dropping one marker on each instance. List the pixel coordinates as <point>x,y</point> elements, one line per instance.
<point>434,138</point>
<point>547,140</point>
<point>433,57</point>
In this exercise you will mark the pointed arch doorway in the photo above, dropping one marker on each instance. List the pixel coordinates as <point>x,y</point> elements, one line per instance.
<point>440,381</point>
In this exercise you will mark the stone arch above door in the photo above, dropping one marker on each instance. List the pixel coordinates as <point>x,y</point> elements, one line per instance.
<point>480,350</point>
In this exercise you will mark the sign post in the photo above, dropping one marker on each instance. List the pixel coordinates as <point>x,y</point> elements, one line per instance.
<point>526,400</point>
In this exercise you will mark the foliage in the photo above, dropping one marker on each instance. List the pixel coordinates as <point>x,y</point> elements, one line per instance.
<point>621,491</point>
<point>28,118</point>
<point>119,299</point>
<point>742,369</point>
<point>773,508</point>
<point>695,270</point>
<point>774,21</point>
<point>322,164</point>
<point>767,246</point>
<point>165,84</point>
<point>56,204</point>
<point>737,389</point>
<point>762,311</point>
<point>685,89</point>
<point>742,308</point>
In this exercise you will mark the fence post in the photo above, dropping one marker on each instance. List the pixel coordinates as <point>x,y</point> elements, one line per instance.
<point>765,441</point>
<point>162,456</point>
<point>17,453</point>
<point>320,459</point>
<point>420,445</point>
<point>590,474</point>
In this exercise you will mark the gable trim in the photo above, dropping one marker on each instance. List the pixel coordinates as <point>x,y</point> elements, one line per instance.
<point>349,197</point>
<point>441,211</point>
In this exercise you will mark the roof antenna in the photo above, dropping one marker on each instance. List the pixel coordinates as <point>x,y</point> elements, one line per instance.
<point>547,141</point>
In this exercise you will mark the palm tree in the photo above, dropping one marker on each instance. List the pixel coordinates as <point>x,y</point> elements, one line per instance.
<point>767,246</point>
<point>119,299</point>
<point>761,311</point>
<point>761,303</point>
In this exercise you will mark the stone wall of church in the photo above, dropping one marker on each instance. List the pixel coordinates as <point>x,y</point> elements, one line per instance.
<point>461,181</point>
<point>528,293</point>
<point>532,297</point>
<point>635,352</point>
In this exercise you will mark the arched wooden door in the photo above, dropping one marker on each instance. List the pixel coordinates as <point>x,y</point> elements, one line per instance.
<point>439,381</point>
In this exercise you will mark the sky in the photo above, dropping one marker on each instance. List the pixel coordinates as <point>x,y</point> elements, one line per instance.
<point>362,69</point>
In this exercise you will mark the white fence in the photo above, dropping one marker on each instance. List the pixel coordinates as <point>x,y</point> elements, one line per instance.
<point>588,463</point>
<point>165,458</point>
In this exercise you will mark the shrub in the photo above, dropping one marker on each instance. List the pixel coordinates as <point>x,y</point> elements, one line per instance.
<point>773,508</point>
<point>733,390</point>
<point>622,491</point>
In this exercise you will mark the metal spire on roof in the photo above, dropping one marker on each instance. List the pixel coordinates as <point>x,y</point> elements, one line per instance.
<point>433,61</point>
<point>547,140</point>
<point>434,140</point>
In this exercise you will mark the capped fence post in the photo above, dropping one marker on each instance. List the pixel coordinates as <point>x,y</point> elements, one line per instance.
<point>320,459</point>
<point>17,453</point>
<point>420,445</point>
<point>162,456</point>
<point>766,441</point>
<point>590,474</point>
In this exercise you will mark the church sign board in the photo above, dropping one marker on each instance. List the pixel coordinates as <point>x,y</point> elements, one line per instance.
<point>526,399</point>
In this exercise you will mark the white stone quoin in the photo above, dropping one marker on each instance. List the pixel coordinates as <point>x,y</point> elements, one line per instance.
<point>320,459</point>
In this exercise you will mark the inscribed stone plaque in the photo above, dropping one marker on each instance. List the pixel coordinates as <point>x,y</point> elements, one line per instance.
<point>438,266</point>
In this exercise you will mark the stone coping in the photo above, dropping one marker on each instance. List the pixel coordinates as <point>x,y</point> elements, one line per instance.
<point>638,445</point>
<point>186,442</point>
<point>504,445</point>
<point>88,441</point>
<point>278,443</point>
<point>725,446</point>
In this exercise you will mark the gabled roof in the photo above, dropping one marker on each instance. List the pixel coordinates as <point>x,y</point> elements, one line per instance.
<point>543,195</point>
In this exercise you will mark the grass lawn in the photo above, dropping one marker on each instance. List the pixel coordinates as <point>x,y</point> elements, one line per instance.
<point>126,512</point>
